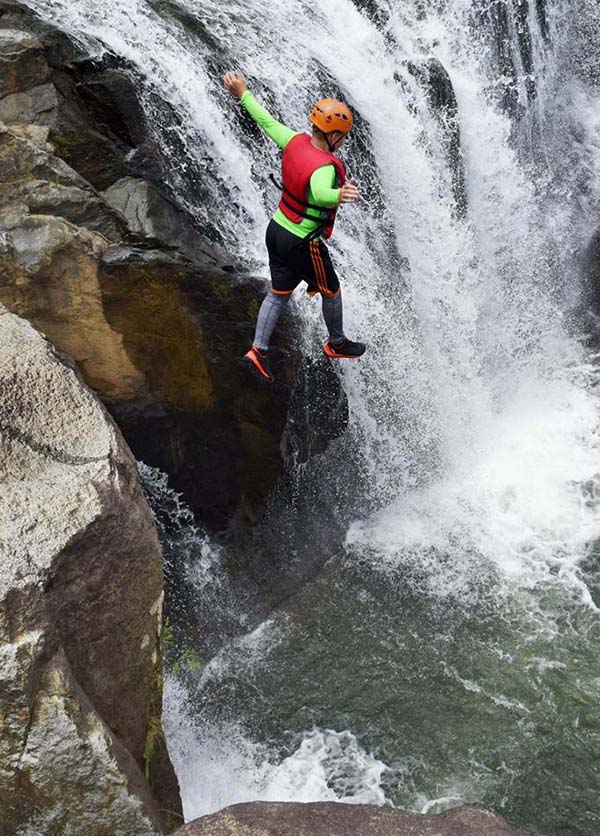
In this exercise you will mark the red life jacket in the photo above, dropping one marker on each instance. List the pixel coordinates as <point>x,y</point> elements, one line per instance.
<point>299,162</point>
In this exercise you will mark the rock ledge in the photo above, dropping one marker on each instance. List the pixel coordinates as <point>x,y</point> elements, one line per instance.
<point>332,819</point>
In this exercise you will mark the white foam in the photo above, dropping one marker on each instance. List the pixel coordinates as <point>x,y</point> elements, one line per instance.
<point>218,765</point>
<point>517,496</point>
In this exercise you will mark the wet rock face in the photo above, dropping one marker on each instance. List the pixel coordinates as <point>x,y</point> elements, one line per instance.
<point>434,78</point>
<point>317,413</point>
<point>23,61</point>
<point>509,23</point>
<point>36,182</point>
<point>328,819</point>
<point>80,606</point>
<point>374,11</point>
<point>589,309</point>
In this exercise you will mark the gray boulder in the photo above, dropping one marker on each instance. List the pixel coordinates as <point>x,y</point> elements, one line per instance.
<point>80,607</point>
<point>140,204</point>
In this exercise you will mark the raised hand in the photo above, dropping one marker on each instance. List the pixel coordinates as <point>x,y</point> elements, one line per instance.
<point>235,83</point>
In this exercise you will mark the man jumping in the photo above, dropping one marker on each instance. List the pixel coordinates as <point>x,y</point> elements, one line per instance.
<point>314,185</point>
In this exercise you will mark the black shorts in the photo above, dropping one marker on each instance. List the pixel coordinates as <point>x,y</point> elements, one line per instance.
<point>293,260</point>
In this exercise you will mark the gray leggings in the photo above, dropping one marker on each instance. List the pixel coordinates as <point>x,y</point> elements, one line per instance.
<point>272,308</point>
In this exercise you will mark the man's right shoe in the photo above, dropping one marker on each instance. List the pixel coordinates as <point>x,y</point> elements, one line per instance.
<point>258,362</point>
<point>346,348</point>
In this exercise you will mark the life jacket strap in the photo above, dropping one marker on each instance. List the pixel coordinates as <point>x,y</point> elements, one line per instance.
<point>330,213</point>
<point>305,214</point>
<point>303,203</point>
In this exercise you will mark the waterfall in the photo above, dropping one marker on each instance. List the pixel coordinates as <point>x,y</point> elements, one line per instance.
<point>469,547</point>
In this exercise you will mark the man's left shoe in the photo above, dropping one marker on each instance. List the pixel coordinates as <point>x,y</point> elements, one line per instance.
<point>258,362</point>
<point>346,348</point>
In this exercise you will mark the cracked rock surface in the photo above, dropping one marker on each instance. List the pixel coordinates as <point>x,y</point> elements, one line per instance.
<point>80,605</point>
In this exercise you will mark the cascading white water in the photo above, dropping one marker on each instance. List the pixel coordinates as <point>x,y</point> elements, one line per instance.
<point>474,407</point>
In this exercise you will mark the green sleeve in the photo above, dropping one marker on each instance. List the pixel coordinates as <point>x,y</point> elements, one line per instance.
<point>321,186</point>
<point>278,132</point>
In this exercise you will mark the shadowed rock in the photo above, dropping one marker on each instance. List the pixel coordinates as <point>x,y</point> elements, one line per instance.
<point>589,306</point>
<point>194,412</point>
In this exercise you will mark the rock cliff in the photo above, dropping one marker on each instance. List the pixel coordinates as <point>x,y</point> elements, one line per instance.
<point>80,610</point>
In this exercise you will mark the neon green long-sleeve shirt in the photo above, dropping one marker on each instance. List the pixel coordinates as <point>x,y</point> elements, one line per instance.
<point>321,190</point>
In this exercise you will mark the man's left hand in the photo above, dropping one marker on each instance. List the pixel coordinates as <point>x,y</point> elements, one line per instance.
<point>349,192</point>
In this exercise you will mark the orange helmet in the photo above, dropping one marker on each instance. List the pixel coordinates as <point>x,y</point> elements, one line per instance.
<point>330,115</point>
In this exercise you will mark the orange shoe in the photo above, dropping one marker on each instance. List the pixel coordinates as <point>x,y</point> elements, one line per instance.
<point>258,361</point>
<point>344,349</point>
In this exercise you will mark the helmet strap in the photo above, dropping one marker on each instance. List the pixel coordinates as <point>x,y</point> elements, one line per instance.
<point>329,144</point>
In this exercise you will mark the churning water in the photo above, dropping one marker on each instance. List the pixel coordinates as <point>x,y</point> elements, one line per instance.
<point>448,652</point>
